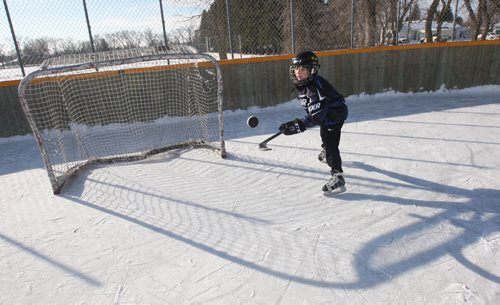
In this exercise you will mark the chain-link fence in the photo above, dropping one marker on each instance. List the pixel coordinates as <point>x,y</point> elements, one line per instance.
<point>32,31</point>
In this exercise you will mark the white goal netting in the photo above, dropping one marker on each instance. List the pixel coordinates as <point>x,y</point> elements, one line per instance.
<point>122,105</point>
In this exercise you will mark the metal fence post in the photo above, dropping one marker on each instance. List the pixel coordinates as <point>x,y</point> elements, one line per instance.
<point>163,24</point>
<point>241,46</point>
<point>229,29</point>
<point>292,27</point>
<point>88,26</point>
<point>352,24</point>
<point>21,65</point>
<point>409,26</point>
<point>455,21</point>
<point>398,10</point>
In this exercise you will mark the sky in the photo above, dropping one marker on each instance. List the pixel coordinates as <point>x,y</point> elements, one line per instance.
<point>419,223</point>
<point>66,19</point>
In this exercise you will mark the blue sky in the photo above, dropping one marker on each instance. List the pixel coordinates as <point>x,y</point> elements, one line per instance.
<point>66,18</point>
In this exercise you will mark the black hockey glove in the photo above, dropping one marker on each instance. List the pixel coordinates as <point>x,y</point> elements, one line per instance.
<point>292,127</point>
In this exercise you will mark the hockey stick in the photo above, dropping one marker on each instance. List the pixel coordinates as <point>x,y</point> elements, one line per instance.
<point>263,144</point>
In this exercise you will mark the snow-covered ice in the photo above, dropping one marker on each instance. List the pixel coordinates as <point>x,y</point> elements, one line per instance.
<point>419,223</point>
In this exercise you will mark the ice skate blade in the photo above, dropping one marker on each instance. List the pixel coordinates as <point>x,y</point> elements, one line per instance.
<point>335,192</point>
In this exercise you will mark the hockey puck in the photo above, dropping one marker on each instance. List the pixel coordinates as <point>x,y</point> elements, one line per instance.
<point>252,121</point>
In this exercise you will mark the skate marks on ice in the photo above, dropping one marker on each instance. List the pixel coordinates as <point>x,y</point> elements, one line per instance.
<point>471,212</point>
<point>52,262</point>
<point>272,234</point>
<point>416,225</point>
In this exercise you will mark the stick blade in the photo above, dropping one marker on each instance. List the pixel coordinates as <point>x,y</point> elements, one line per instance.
<point>263,147</point>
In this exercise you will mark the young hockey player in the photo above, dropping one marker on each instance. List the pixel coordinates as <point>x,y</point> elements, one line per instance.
<point>324,107</point>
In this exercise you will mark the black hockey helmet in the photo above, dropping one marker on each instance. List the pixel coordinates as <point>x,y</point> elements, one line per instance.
<point>306,59</point>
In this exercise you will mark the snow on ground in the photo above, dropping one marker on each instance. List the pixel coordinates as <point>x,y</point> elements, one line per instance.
<point>15,72</point>
<point>419,224</point>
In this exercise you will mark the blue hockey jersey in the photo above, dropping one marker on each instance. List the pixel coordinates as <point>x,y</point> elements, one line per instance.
<point>324,105</point>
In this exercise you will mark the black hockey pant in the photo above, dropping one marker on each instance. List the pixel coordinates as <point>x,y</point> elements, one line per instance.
<point>330,138</point>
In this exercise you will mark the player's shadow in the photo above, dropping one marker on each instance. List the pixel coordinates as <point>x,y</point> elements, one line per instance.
<point>473,230</point>
<point>475,227</point>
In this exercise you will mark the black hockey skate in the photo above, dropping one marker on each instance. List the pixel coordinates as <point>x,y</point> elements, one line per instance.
<point>336,185</point>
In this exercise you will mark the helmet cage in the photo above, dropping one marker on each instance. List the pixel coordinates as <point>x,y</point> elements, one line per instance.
<point>312,67</point>
<point>305,59</point>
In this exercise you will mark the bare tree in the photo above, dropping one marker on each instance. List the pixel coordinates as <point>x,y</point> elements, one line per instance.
<point>482,20</point>
<point>2,55</point>
<point>213,24</point>
<point>34,51</point>
<point>369,17</point>
<point>152,39</point>
<point>444,15</point>
<point>184,35</point>
<point>429,19</point>
<point>406,10</point>
<point>101,44</point>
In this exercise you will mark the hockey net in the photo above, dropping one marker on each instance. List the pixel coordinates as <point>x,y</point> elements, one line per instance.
<point>122,105</point>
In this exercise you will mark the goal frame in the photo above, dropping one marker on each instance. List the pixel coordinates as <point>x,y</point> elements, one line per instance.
<point>59,182</point>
